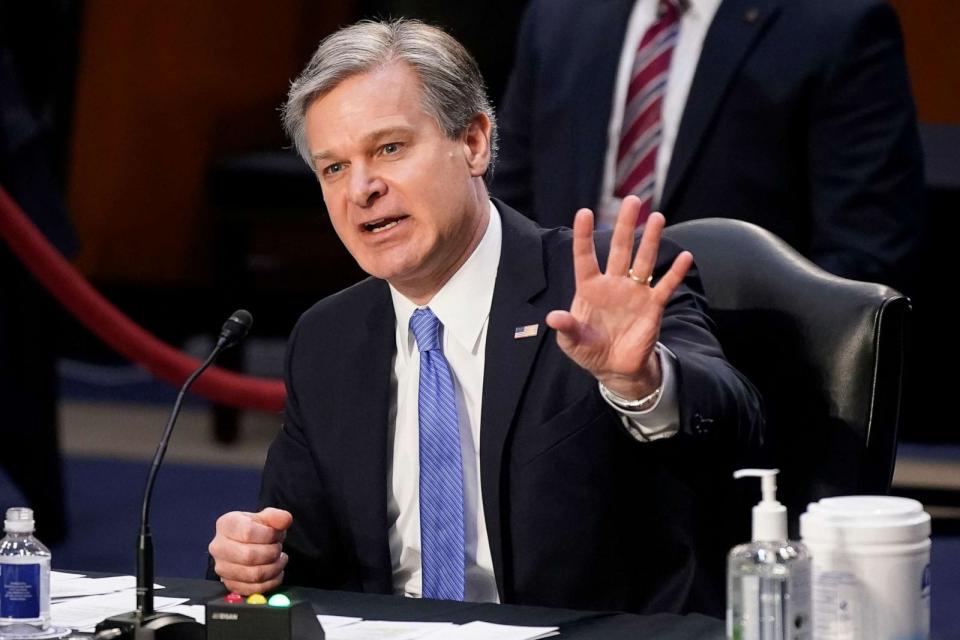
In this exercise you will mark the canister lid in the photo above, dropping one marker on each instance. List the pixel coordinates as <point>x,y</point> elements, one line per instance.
<point>865,520</point>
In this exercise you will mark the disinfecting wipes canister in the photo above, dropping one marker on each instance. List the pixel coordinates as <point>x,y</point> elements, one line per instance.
<point>871,568</point>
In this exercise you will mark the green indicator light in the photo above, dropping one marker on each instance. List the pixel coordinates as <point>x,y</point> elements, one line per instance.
<point>278,600</point>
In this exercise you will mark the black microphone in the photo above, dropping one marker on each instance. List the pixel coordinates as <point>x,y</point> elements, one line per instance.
<point>145,622</point>
<point>235,329</point>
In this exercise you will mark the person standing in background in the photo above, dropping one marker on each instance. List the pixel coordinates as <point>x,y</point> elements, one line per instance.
<point>796,116</point>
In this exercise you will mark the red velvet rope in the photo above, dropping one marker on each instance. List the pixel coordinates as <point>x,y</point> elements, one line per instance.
<point>103,319</point>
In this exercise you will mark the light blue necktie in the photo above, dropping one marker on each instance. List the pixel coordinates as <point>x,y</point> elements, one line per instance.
<point>441,469</point>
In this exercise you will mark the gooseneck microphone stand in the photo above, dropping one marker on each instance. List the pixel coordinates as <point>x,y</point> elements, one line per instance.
<point>146,622</point>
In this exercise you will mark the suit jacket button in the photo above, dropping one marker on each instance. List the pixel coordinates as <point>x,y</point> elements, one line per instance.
<point>701,426</point>
<point>706,425</point>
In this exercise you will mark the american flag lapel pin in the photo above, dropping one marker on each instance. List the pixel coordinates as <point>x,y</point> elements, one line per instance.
<point>526,331</point>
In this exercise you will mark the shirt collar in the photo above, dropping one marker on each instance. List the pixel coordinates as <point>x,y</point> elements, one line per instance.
<point>700,9</point>
<point>695,8</point>
<point>463,304</point>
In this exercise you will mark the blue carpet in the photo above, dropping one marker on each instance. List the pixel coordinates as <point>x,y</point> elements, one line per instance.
<point>104,513</point>
<point>945,588</point>
<point>942,452</point>
<point>111,383</point>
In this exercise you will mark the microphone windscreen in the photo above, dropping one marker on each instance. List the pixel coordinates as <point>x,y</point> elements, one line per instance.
<point>236,327</point>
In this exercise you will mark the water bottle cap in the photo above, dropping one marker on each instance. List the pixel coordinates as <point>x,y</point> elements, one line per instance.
<point>19,520</point>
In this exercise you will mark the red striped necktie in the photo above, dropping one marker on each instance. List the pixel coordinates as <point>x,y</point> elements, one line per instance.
<point>642,125</point>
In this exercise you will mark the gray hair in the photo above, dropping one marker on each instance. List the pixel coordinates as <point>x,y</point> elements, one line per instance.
<point>451,87</point>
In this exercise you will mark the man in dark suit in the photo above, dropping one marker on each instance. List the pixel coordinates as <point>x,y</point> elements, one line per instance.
<point>585,451</point>
<point>795,115</point>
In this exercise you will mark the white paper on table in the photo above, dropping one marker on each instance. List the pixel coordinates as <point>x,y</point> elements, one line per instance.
<point>84,613</point>
<point>332,622</point>
<point>91,586</point>
<point>478,630</point>
<point>63,576</point>
<point>387,630</point>
<point>196,611</point>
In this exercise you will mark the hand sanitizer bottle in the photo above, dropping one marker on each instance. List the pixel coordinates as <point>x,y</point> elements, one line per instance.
<point>24,574</point>
<point>768,580</point>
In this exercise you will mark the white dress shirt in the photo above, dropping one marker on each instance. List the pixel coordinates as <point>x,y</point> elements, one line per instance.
<point>694,22</point>
<point>463,308</point>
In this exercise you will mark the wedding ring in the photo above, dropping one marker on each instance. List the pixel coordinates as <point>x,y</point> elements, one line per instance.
<point>648,280</point>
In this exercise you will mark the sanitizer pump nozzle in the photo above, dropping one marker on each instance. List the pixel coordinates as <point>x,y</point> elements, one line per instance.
<point>769,516</point>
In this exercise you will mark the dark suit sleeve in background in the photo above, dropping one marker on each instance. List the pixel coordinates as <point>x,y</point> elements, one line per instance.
<point>866,167</point>
<point>513,173</point>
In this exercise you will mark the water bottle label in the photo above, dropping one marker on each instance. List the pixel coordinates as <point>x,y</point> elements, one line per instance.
<point>20,591</point>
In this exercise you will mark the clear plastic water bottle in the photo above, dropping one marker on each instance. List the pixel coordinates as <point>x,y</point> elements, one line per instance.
<point>24,573</point>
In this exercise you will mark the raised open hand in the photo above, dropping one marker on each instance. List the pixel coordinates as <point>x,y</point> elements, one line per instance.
<point>614,320</point>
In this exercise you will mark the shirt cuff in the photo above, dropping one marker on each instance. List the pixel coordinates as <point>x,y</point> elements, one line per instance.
<point>662,419</point>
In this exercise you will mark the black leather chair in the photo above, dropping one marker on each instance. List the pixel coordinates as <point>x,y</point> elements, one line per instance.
<point>826,353</point>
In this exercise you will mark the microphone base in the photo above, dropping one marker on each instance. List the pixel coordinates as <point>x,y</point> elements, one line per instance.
<point>160,625</point>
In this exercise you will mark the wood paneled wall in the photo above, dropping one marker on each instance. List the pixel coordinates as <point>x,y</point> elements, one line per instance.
<point>932,37</point>
<point>162,88</point>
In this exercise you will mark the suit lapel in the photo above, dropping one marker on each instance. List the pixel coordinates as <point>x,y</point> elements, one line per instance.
<point>593,85</point>
<point>364,401</point>
<point>520,276</point>
<point>735,28</point>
